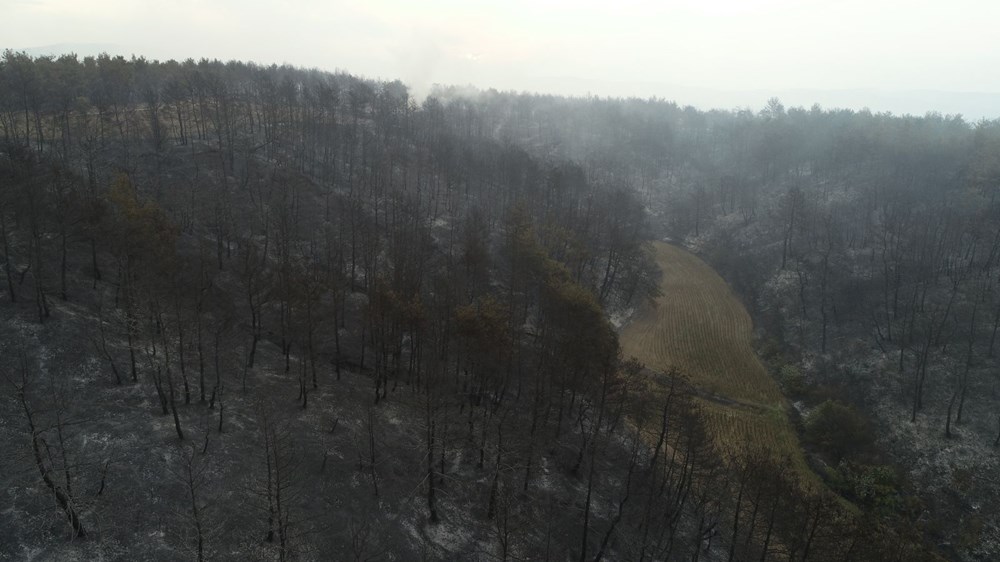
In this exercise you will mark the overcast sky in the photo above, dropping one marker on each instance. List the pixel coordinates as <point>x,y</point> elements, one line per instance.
<point>702,52</point>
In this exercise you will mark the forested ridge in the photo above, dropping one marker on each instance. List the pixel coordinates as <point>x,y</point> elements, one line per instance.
<point>274,313</point>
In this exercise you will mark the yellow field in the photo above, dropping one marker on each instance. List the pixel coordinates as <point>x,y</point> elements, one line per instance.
<point>699,327</point>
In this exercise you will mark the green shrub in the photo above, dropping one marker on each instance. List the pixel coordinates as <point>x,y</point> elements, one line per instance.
<point>792,380</point>
<point>873,487</point>
<point>837,430</point>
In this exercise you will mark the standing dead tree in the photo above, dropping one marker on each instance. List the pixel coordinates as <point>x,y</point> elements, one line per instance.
<point>61,485</point>
<point>280,484</point>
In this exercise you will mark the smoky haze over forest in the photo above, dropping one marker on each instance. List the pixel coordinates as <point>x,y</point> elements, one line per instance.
<point>478,281</point>
<point>900,57</point>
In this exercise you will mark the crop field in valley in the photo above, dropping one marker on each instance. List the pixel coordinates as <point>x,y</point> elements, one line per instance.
<point>701,329</point>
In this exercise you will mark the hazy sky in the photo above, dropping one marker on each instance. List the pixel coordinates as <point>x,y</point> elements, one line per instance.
<point>683,49</point>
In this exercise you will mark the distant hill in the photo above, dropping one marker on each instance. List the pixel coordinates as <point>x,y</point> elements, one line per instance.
<point>973,106</point>
<point>81,49</point>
